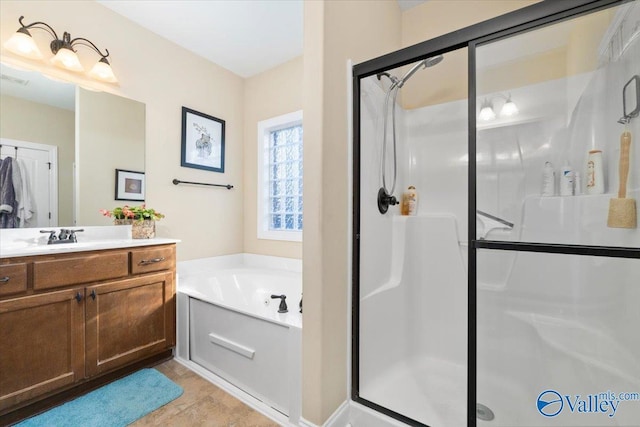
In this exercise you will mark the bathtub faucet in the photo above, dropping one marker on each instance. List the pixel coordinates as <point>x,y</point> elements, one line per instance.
<point>283,303</point>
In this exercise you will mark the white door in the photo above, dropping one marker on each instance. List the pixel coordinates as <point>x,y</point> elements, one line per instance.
<point>40,161</point>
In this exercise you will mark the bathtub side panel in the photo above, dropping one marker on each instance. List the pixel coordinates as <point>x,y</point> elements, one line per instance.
<point>247,352</point>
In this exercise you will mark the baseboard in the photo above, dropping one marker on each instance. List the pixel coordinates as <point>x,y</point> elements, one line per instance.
<point>305,423</point>
<point>339,418</point>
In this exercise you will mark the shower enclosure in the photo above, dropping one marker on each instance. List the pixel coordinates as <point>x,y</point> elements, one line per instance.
<point>495,305</point>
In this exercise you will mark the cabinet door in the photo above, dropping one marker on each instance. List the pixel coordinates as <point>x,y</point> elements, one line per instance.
<point>42,340</point>
<point>128,320</point>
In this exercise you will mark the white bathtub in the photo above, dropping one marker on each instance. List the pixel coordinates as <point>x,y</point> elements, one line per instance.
<point>230,331</point>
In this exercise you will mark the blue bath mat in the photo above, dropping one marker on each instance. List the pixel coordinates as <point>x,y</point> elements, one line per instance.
<point>115,405</point>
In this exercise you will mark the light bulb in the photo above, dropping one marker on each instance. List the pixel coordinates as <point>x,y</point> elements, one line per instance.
<point>67,59</point>
<point>21,43</point>
<point>487,114</point>
<point>509,109</point>
<point>102,71</point>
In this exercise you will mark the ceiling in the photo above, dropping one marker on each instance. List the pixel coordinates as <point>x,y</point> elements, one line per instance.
<point>34,86</point>
<point>245,37</point>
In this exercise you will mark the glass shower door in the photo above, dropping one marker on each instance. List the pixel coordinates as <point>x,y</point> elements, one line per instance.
<point>412,300</point>
<point>558,274</point>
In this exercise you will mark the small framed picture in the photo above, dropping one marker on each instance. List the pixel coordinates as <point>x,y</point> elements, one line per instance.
<point>129,185</point>
<point>202,141</point>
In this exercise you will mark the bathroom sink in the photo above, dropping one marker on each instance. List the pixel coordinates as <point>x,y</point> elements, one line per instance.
<point>59,246</point>
<point>23,248</point>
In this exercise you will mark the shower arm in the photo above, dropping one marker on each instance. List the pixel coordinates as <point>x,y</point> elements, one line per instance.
<point>394,79</point>
<point>411,72</point>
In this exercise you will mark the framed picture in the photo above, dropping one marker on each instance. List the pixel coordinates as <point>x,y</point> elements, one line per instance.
<point>129,185</point>
<point>202,141</point>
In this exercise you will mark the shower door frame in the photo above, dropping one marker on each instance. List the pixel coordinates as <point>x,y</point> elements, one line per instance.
<point>471,37</point>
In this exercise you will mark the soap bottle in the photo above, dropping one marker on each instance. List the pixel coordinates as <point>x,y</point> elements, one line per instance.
<point>548,180</point>
<point>566,180</point>
<point>404,204</point>
<point>409,204</point>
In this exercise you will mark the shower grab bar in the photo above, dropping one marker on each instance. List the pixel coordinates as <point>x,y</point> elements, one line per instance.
<point>495,218</point>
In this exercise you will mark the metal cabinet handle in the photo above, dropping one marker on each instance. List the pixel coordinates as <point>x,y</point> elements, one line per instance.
<point>93,294</point>
<point>151,261</point>
<point>4,279</point>
<point>78,297</point>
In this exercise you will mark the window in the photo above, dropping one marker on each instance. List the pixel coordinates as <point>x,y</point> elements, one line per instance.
<point>280,178</point>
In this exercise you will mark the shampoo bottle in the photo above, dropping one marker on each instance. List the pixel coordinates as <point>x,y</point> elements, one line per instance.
<point>409,202</point>
<point>548,180</point>
<point>595,176</point>
<point>566,180</point>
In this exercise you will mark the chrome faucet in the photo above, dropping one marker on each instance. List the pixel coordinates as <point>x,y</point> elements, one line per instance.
<point>65,236</point>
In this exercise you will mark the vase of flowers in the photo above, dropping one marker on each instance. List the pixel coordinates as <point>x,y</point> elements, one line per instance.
<point>142,219</point>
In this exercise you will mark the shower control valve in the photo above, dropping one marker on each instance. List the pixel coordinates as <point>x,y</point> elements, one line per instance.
<point>384,200</point>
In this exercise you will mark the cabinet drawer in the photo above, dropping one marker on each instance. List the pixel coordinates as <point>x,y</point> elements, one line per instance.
<point>13,278</point>
<point>152,259</point>
<point>71,270</point>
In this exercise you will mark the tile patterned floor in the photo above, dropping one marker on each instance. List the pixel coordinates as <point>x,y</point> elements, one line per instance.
<point>201,404</point>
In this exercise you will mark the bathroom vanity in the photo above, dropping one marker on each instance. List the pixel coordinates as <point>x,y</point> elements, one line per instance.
<point>73,319</point>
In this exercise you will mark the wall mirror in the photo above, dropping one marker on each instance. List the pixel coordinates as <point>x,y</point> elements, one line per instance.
<point>70,141</point>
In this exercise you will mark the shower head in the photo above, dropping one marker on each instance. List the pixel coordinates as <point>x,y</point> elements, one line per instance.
<point>434,60</point>
<point>429,62</point>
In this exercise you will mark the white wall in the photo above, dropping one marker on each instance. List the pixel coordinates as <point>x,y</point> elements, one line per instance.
<point>334,31</point>
<point>164,77</point>
<point>270,94</point>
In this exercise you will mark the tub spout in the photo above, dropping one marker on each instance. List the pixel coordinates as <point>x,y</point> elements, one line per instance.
<point>283,303</point>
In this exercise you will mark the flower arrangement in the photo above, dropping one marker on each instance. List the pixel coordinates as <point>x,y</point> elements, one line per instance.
<point>136,213</point>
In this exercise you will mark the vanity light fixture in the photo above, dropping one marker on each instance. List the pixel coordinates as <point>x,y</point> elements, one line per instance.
<point>487,113</point>
<point>21,43</point>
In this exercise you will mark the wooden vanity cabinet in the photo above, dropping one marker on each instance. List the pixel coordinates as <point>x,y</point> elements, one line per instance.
<point>128,320</point>
<point>58,334</point>
<point>42,340</point>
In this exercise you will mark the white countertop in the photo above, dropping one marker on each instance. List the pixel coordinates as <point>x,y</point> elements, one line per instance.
<point>28,242</point>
